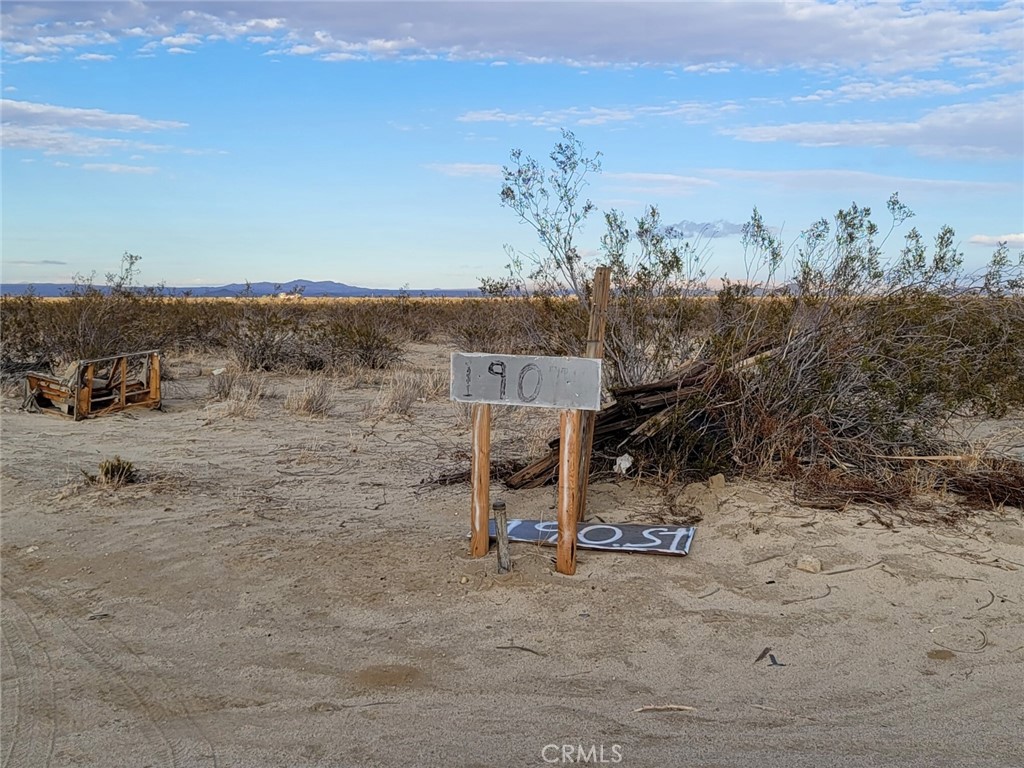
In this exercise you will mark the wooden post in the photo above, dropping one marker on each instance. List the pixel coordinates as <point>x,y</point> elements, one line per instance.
<point>481,474</point>
<point>83,393</point>
<point>501,527</point>
<point>154,378</point>
<point>123,372</point>
<point>568,488</point>
<point>595,349</point>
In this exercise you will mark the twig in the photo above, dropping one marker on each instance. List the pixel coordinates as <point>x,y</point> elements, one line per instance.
<point>828,591</point>
<point>854,568</point>
<point>984,644</point>
<point>519,648</point>
<point>763,653</point>
<point>356,706</point>
<point>991,599</point>
<point>771,557</point>
<point>709,594</point>
<point>666,708</point>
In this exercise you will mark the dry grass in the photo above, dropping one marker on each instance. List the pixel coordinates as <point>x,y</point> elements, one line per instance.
<point>242,393</point>
<point>316,398</point>
<point>403,389</point>
<point>114,473</point>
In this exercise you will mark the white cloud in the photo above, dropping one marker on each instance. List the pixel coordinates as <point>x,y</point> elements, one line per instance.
<point>986,130</point>
<point>95,57</point>
<point>828,179</point>
<point>659,184</point>
<point>73,131</point>
<point>51,140</point>
<point>179,51</point>
<point>702,37</point>
<point>709,68</point>
<point>33,262</point>
<point>1015,240</point>
<point>719,228</point>
<point>120,168</point>
<point>484,170</point>
<point>27,113</point>
<point>688,112</point>
<point>336,56</point>
<point>175,41</point>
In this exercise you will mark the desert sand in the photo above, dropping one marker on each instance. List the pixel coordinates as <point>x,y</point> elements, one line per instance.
<point>284,591</point>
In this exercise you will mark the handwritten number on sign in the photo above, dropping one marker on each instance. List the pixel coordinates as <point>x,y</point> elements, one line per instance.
<point>528,398</point>
<point>497,368</point>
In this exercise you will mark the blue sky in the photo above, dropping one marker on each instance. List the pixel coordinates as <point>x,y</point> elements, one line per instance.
<point>363,142</point>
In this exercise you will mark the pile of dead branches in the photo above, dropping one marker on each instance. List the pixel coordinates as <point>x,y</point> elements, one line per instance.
<point>831,406</point>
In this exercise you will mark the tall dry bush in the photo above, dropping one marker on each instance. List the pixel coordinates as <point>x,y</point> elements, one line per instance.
<point>654,269</point>
<point>863,358</point>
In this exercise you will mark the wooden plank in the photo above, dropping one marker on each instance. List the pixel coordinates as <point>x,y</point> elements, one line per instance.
<point>481,477</point>
<point>595,349</point>
<point>568,487</point>
<point>154,379</point>
<point>124,381</point>
<point>83,390</point>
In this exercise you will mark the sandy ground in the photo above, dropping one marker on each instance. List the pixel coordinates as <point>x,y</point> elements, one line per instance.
<point>283,591</point>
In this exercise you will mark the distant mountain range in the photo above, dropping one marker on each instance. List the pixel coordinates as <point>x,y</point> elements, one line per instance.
<point>310,288</point>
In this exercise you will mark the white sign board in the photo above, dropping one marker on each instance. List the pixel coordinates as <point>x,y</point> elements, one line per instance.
<point>543,382</point>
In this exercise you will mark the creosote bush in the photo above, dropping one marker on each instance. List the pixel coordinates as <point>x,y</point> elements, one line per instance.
<point>863,358</point>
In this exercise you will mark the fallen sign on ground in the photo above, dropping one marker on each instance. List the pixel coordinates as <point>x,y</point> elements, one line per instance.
<point>660,539</point>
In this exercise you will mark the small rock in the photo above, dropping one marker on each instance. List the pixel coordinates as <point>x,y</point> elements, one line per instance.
<point>717,482</point>
<point>808,563</point>
<point>218,371</point>
<point>464,580</point>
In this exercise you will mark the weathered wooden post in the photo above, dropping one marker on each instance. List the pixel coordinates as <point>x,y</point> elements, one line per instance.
<point>501,535</point>
<point>568,490</point>
<point>481,475</point>
<point>595,350</point>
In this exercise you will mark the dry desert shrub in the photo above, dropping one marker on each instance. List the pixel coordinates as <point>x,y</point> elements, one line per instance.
<point>398,394</point>
<point>241,391</point>
<point>92,321</point>
<point>856,364</point>
<point>114,473</point>
<point>316,398</point>
<point>405,387</point>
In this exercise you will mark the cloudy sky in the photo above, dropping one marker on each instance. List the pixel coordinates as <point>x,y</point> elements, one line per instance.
<point>363,142</point>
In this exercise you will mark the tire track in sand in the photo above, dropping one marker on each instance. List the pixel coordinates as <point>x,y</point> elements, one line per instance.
<point>29,683</point>
<point>104,662</point>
